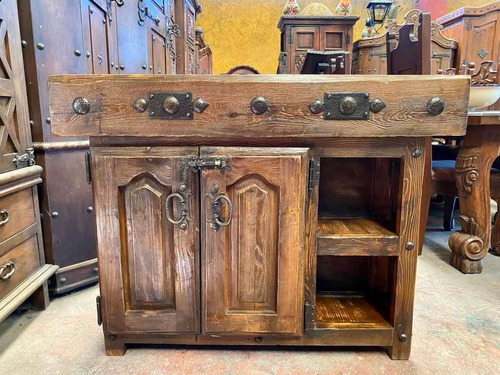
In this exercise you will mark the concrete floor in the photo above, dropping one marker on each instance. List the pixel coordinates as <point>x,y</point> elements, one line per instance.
<point>456,331</point>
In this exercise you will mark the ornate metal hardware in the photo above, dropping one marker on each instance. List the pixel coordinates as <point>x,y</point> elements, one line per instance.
<point>174,30</point>
<point>198,164</point>
<point>314,170</point>
<point>316,106</point>
<point>81,106</point>
<point>7,270</point>
<point>377,105</point>
<point>482,54</point>
<point>25,160</point>
<point>143,12</point>
<point>259,105</point>
<point>184,199</point>
<point>4,217</point>
<point>171,106</point>
<point>216,200</point>
<point>435,106</point>
<point>346,106</point>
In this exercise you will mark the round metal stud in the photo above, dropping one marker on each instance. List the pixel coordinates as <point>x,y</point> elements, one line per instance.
<point>348,105</point>
<point>32,123</point>
<point>258,339</point>
<point>416,153</point>
<point>24,43</point>
<point>40,46</point>
<point>183,226</point>
<point>78,52</point>
<point>48,120</point>
<point>112,337</point>
<point>122,67</point>
<point>409,246</point>
<point>81,106</point>
<point>171,105</point>
<point>88,55</point>
<point>377,105</point>
<point>435,106</point>
<point>144,66</point>
<point>259,105</point>
<point>95,269</point>
<point>62,280</point>
<point>90,209</point>
<point>403,337</point>
<point>140,105</point>
<point>316,106</point>
<point>54,214</point>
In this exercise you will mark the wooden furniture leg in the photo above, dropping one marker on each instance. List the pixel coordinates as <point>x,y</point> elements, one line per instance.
<point>426,194</point>
<point>40,298</point>
<point>471,243</point>
<point>495,235</point>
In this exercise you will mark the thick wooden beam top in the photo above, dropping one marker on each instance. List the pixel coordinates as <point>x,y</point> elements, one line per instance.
<point>229,116</point>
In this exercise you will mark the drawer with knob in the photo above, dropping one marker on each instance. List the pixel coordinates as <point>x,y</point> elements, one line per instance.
<point>17,264</point>
<point>17,213</point>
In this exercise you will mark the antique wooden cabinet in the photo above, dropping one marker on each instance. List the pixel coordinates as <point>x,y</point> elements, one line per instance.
<point>258,209</point>
<point>302,33</point>
<point>23,272</point>
<point>203,54</point>
<point>93,37</point>
<point>370,54</point>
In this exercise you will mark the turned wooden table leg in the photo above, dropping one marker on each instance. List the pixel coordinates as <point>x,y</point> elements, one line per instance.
<point>471,243</point>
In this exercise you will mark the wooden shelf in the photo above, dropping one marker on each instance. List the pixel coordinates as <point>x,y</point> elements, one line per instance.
<point>355,236</point>
<point>334,312</point>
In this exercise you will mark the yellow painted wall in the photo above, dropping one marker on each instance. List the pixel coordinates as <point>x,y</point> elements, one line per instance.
<point>244,32</point>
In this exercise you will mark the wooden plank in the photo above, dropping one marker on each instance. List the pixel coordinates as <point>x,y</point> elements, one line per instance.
<point>347,312</point>
<point>355,236</point>
<point>229,115</point>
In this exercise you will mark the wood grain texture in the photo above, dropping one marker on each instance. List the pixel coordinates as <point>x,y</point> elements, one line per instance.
<point>335,312</point>
<point>20,213</point>
<point>148,267</point>
<point>252,270</point>
<point>229,114</point>
<point>355,236</point>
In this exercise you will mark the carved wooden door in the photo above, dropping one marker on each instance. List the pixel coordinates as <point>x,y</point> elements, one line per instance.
<point>14,121</point>
<point>304,38</point>
<point>190,42</point>
<point>173,32</point>
<point>252,250</point>
<point>148,252</point>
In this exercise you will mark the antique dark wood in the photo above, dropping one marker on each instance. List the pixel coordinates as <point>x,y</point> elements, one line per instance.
<point>23,272</point>
<point>302,33</point>
<point>234,227</point>
<point>93,37</point>
<point>476,30</point>
<point>203,54</point>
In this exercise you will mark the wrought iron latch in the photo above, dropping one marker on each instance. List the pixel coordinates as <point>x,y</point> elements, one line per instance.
<point>25,160</point>
<point>197,164</point>
<point>143,12</point>
<point>314,169</point>
<point>171,105</point>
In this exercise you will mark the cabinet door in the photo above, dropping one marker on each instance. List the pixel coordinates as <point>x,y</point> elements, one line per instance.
<point>304,38</point>
<point>14,121</point>
<point>148,267</point>
<point>95,37</point>
<point>333,38</point>
<point>252,269</point>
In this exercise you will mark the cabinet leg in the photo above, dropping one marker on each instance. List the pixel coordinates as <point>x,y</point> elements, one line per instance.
<point>495,236</point>
<point>426,194</point>
<point>396,354</point>
<point>40,299</point>
<point>114,346</point>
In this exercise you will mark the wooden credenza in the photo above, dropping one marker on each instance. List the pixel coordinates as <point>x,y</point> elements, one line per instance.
<point>90,37</point>
<point>23,272</point>
<point>300,34</point>
<point>258,219</point>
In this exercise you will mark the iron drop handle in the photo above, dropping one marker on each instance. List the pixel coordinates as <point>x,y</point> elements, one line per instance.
<point>183,197</point>
<point>7,266</point>
<point>217,200</point>
<point>4,217</point>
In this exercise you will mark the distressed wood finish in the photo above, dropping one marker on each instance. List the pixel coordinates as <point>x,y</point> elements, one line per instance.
<point>150,266</point>
<point>229,114</point>
<point>325,261</point>
<point>253,269</point>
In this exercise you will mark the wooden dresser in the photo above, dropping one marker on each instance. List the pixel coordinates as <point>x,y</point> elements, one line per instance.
<point>93,37</point>
<point>23,272</point>
<point>258,209</point>
<point>302,33</point>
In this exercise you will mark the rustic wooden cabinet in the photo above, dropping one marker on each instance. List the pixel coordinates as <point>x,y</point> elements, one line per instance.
<point>302,33</point>
<point>23,272</point>
<point>93,37</point>
<point>235,212</point>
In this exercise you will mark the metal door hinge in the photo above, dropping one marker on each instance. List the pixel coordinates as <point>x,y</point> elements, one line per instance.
<point>25,160</point>
<point>314,172</point>
<point>87,168</point>
<point>98,307</point>
<point>197,164</point>
<point>309,315</point>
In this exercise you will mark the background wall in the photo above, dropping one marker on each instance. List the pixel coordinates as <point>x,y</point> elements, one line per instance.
<point>244,32</point>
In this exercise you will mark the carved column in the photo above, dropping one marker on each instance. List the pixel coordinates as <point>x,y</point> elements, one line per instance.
<point>471,243</point>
